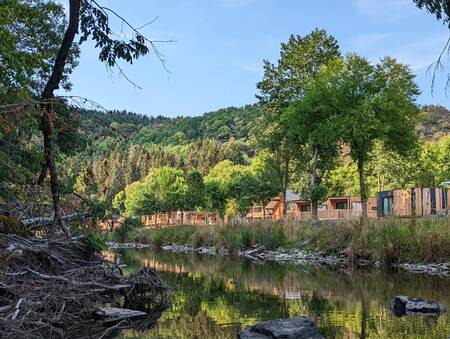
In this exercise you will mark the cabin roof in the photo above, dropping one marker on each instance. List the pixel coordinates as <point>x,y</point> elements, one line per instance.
<point>291,196</point>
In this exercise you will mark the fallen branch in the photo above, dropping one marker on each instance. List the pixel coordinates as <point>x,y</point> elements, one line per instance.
<point>45,221</point>
<point>57,288</point>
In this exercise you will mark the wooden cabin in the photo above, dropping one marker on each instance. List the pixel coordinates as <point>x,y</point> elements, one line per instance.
<point>180,218</point>
<point>334,208</point>
<point>259,213</point>
<point>422,201</point>
<point>110,224</point>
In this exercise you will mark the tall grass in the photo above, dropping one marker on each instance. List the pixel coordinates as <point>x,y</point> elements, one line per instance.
<point>390,240</point>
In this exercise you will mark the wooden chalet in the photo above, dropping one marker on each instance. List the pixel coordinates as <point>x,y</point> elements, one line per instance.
<point>111,224</point>
<point>334,208</point>
<point>180,218</point>
<point>423,201</point>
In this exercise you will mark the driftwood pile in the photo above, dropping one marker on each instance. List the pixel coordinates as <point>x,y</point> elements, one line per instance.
<point>57,288</point>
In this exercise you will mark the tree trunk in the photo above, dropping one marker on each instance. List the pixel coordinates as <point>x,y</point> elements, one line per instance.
<point>363,193</point>
<point>47,110</point>
<point>314,203</point>
<point>285,184</point>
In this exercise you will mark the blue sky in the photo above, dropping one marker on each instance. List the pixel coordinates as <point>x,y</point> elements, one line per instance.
<point>220,45</point>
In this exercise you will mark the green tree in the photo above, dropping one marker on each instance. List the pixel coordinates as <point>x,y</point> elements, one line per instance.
<point>216,199</point>
<point>310,123</point>
<point>268,185</point>
<point>376,103</point>
<point>233,185</point>
<point>440,8</point>
<point>195,195</point>
<point>91,21</point>
<point>163,190</point>
<point>30,34</point>
<point>300,60</point>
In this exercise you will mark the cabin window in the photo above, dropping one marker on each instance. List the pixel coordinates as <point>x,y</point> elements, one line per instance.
<point>322,207</point>
<point>257,209</point>
<point>387,205</point>
<point>306,208</point>
<point>356,206</point>
<point>341,205</point>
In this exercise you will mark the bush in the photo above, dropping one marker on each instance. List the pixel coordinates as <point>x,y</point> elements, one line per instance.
<point>399,240</point>
<point>128,230</point>
<point>389,241</point>
<point>433,240</point>
<point>95,243</point>
<point>177,234</point>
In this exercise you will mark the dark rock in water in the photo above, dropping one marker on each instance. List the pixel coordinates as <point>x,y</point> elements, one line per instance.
<point>294,328</point>
<point>402,305</point>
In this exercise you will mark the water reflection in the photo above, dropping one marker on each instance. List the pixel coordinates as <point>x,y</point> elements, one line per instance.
<point>215,296</point>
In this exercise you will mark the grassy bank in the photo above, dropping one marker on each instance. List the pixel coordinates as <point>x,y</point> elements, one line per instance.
<point>390,240</point>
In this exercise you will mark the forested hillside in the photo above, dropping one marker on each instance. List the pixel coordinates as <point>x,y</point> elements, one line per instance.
<point>222,125</point>
<point>435,122</point>
<point>124,147</point>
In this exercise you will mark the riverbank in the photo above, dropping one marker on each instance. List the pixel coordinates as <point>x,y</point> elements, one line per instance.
<point>421,246</point>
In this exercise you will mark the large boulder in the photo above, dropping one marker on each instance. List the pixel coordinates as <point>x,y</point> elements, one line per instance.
<point>294,328</point>
<point>402,305</point>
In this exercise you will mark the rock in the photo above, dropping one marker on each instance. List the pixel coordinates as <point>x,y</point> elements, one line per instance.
<point>299,327</point>
<point>403,305</point>
<point>257,253</point>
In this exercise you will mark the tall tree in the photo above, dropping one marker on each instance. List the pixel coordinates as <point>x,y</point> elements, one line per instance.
<point>310,122</point>
<point>284,83</point>
<point>376,103</point>
<point>30,34</point>
<point>93,21</point>
<point>195,195</point>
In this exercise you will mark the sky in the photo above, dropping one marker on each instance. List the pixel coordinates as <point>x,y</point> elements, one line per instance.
<point>217,57</point>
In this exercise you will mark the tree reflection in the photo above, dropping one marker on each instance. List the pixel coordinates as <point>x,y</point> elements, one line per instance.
<point>215,296</point>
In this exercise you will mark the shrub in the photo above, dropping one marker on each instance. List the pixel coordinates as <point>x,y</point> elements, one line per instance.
<point>127,230</point>
<point>329,237</point>
<point>389,241</point>
<point>95,243</point>
<point>177,234</point>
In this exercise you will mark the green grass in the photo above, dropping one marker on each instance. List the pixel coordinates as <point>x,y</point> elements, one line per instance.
<point>390,240</point>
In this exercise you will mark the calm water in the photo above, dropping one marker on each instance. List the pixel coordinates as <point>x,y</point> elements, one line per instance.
<point>213,297</point>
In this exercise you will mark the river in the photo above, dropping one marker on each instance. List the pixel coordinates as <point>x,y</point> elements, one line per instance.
<point>214,297</point>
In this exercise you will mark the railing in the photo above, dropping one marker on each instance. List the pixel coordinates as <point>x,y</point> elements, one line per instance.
<point>333,215</point>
